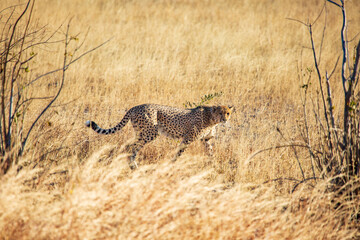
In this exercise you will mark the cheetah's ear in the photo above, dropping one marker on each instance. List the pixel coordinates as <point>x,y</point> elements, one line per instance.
<point>231,108</point>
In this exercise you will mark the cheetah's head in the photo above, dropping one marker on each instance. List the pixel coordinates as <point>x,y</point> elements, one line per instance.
<point>221,113</point>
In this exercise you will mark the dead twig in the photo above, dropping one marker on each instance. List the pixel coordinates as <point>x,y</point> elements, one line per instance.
<point>274,147</point>
<point>303,181</point>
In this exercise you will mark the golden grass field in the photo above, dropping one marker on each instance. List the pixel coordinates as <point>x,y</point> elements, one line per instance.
<point>75,184</point>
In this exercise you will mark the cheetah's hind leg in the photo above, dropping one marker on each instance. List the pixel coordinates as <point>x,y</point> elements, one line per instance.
<point>133,148</point>
<point>143,137</point>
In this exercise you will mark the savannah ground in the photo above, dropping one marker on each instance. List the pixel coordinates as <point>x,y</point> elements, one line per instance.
<point>75,184</point>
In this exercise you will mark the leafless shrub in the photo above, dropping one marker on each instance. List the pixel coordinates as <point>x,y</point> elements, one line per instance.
<point>19,40</point>
<point>336,152</point>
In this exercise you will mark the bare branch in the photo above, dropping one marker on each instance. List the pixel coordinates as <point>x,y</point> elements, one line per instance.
<point>13,6</point>
<point>27,36</point>
<point>87,52</point>
<point>296,20</point>
<point>307,133</point>
<point>67,65</point>
<point>5,61</point>
<point>63,69</point>
<point>329,98</point>
<point>29,59</point>
<point>47,40</point>
<point>330,1</point>
<point>295,153</point>
<point>6,23</point>
<point>352,39</point>
<point>356,63</point>
<point>323,33</point>
<point>81,44</point>
<point>344,49</point>
<point>30,99</point>
<point>274,147</point>
<point>336,63</point>
<point>282,179</point>
<point>303,181</point>
<point>56,96</point>
<point>66,103</point>
<point>317,18</point>
<point>320,85</point>
<point>16,71</point>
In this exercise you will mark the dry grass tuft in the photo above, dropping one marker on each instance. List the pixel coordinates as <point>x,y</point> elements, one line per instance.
<point>74,184</point>
<point>161,201</point>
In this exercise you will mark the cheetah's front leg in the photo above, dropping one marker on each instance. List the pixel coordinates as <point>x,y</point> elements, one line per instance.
<point>209,143</point>
<point>181,149</point>
<point>184,144</point>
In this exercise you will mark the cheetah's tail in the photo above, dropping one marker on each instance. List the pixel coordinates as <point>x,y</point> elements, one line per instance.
<point>100,130</point>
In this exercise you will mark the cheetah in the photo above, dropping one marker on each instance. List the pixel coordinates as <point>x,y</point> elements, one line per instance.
<point>150,120</point>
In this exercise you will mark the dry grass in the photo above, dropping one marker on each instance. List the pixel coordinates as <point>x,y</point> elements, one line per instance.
<point>75,184</point>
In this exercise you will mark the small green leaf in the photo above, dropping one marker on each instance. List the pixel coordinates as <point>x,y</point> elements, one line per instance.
<point>74,38</point>
<point>352,105</point>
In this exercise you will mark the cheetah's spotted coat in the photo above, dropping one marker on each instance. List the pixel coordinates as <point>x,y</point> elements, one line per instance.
<point>149,120</point>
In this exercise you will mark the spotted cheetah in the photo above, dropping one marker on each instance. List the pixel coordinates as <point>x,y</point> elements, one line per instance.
<point>150,120</point>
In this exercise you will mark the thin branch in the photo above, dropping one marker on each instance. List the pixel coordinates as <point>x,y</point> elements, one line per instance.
<point>272,148</point>
<point>15,75</point>
<point>296,20</point>
<point>330,1</point>
<point>330,98</point>
<point>13,6</point>
<point>323,33</point>
<point>356,63</point>
<point>22,39</point>
<point>320,84</point>
<point>59,69</point>
<point>282,179</point>
<point>344,50</point>
<point>82,43</point>
<point>317,18</point>
<point>67,103</point>
<point>6,23</point>
<point>47,41</point>
<point>307,139</point>
<point>70,63</point>
<point>317,117</point>
<point>87,52</point>
<point>336,63</point>
<point>63,69</point>
<point>29,59</point>
<point>4,74</point>
<point>303,181</point>
<point>18,105</point>
<point>331,108</point>
<point>295,153</point>
<point>356,35</point>
<point>57,94</point>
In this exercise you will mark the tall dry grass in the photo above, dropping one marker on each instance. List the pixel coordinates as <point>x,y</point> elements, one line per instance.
<point>162,201</point>
<point>169,52</point>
